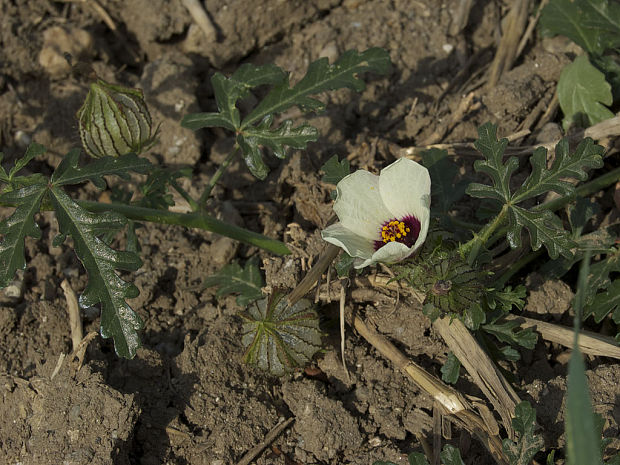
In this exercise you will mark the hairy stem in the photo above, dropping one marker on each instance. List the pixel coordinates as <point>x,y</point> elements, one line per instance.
<point>190,220</point>
<point>217,175</point>
<point>472,248</point>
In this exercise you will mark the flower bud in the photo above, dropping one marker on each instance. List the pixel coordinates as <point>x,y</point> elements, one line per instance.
<point>115,121</point>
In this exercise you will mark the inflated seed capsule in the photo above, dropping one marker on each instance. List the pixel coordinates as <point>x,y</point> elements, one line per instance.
<point>115,121</point>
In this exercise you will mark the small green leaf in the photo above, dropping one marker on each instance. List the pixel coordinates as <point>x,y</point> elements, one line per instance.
<point>33,150</point>
<point>594,25</point>
<point>450,455</point>
<point>118,320</point>
<point>450,369</point>
<point>507,298</point>
<point>509,331</point>
<point>528,444</point>
<point>474,316</point>
<point>416,458</point>
<point>228,91</point>
<point>605,302</point>
<point>16,227</point>
<point>321,77</point>
<point>69,173</point>
<point>443,171</point>
<point>344,265</point>
<point>155,191</point>
<point>335,170</point>
<point>279,337</point>
<point>583,93</point>
<point>232,279</point>
<point>598,278</point>
<point>253,157</point>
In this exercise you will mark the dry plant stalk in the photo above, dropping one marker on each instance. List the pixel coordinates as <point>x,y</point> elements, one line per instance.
<point>481,368</point>
<point>271,436</point>
<point>589,343</point>
<point>73,309</point>
<point>509,43</point>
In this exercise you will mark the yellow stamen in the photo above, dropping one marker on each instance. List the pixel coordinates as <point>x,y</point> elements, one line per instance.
<point>394,230</point>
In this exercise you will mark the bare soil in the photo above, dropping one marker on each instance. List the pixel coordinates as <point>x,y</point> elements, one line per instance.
<point>187,398</point>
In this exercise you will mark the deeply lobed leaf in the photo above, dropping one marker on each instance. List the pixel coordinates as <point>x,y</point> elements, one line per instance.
<point>118,320</point>
<point>16,227</point>
<point>545,228</point>
<point>68,171</point>
<point>321,77</point>
<point>528,444</point>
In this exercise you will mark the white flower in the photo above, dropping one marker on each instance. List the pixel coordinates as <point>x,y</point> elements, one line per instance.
<point>382,218</point>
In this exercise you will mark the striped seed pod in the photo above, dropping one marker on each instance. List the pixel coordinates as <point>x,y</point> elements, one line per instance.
<point>115,121</point>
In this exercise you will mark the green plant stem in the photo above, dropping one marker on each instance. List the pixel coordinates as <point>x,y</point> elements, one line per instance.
<point>198,220</point>
<point>188,198</point>
<point>202,201</point>
<point>473,246</point>
<point>515,267</point>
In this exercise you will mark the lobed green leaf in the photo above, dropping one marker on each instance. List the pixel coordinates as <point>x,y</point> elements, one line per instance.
<point>528,444</point>
<point>321,77</point>
<point>584,94</point>
<point>16,227</point>
<point>509,331</point>
<point>492,165</point>
<point>68,172</point>
<point>118,320</point>
<point>565,165</point>
<point>279,337</point>
<point>335,170</point>
<point>545,229</point>
<point>233,279</point>
<point>450,369</point>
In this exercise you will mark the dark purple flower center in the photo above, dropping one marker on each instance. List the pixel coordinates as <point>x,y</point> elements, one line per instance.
<point>406,230</point>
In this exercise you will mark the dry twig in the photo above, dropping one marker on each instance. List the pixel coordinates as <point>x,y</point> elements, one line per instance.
<point>271,436</point>
<point>201,18</point>
<point>589,343</point>
<point>73,309</point>
<point>481,368</point>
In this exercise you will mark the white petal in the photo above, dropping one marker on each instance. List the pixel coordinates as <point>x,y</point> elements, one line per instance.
<point>354,245</point>
<point>391,252</point>
<point>405,188</point>
<point>359,206</point>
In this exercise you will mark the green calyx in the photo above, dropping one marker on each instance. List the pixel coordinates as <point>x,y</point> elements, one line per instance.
<point>279,337</point>
<point>451,286</point>
<point>115,121</point>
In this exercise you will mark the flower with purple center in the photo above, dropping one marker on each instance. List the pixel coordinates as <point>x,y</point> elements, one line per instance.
<point>382,218</point>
